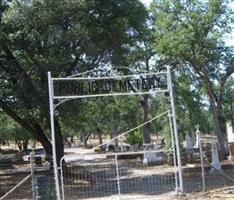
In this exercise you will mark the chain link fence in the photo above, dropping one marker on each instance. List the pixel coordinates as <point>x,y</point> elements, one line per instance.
<point>124,175</point>
<point>200,173</point>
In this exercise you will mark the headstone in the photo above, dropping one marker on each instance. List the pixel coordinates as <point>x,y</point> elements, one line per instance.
<point>230,134</point>
<point>135,147</point>
<point>121,144</point>
<point>188,142</point>
<point>189,147</point>
<point>215,157</point>
<point>149,158</point>
<point>196,146</point>
<point>231,152</point>
<point>138,161</point>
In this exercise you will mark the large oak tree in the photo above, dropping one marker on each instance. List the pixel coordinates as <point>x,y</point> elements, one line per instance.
<point>58,36</point>
<point>191,34</point>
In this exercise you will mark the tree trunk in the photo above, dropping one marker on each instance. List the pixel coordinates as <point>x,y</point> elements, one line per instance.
<point>99,136</point>
<point>40,136</point>
<point>219,127</point>
<point>145,116</point>
<point>86,140</point>
<point>25,145</point>
<point>58,142</point>
<point>215,104</point>
<point>18,142</point>
<point>72,139</point>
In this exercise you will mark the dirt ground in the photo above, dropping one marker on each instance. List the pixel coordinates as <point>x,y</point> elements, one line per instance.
<point>225,193</point>
<point>218,188</point>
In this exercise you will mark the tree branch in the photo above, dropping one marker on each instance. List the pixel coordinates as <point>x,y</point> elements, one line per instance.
<point>15,117</point>
<point>224,79</point>
<point>25,87</point>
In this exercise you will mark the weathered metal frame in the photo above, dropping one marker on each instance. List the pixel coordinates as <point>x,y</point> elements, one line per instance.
<point>172,119</point>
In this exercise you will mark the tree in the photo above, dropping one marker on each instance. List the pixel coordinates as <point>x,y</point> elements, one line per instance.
<point>191,33</point>
<point>12,131</point>
<point>143,59</point>
<point>190,99</point>
<point>58,36</point>
<point>102,116</point>
<point>228,106</point>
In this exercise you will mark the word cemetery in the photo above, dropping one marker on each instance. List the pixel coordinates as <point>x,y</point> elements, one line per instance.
<point>109,85</point>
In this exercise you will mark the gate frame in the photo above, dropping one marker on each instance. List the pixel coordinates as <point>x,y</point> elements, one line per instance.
<point>172,114</point>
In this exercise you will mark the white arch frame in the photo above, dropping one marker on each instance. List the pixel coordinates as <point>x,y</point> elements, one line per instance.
<point>172,118</point>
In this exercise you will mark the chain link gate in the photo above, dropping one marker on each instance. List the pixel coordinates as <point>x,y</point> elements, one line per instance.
<point>111,175</point>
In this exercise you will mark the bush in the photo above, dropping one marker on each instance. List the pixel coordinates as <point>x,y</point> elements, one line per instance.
<point>135,138</point>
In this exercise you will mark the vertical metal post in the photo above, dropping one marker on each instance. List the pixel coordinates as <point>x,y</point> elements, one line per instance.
<point>170,88</point>
<point>50,85</point>
<point>174,149</point>
<point>117,175</point>
<point>61,177</point>
<point>202,162</point>
<point>32,161</point>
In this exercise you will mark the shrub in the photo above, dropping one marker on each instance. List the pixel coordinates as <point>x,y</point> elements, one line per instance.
<point>135,138</point>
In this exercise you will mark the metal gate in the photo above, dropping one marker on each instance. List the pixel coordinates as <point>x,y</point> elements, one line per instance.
<point>123,175</point>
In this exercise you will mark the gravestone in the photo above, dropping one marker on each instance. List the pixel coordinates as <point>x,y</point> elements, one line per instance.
<point>121,146</point>
<point>188,142</point>
<point>196,146</point>
<point>216,166</point>
<point>149,158</point>
<point>189,147</point>
<point>230,137</point>
<point>230,134</point>
<point>231,152</point>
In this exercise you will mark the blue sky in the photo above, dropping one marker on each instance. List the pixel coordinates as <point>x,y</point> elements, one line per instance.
<point>230,38</point>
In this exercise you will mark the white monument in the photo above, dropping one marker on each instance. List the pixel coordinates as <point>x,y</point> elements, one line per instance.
<point>230,134</point>
<point>188,142</point>
<point>230,137</point>
<point>215,157</point>
<point>196,146</point>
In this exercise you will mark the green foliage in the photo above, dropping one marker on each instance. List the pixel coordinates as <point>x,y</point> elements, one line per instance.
<point>135,138</point>
<point>190,35</point>
<point>63,37</point>
<point>228,107</point>
<point>108,115</point>
<point>11,131</point>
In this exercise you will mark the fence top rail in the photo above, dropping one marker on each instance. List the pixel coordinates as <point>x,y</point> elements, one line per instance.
<point>135,152</point>
<point>82,155</point>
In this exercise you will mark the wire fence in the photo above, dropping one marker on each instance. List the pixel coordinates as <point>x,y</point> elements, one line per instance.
<point>27,180</point>
<point>15,186</point>
<point>123,175</point>
<point>118,176</point>
<point>201,172</point>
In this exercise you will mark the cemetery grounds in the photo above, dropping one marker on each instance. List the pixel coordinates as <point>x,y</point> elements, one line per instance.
<point>218,186</point>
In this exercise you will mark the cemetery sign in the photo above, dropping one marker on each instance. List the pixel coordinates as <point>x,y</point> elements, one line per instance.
<point>116,85</point>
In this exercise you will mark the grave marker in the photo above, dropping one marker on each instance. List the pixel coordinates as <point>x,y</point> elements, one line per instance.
<point>215,157</point>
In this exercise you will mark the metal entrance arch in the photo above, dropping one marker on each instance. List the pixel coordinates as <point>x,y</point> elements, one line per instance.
<point>76,94</point>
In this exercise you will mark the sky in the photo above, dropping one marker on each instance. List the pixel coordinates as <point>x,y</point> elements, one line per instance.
<point>230,38</point>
